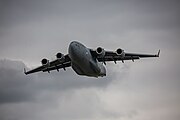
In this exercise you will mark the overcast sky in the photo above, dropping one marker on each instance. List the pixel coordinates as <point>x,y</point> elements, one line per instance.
<point>147,89</point>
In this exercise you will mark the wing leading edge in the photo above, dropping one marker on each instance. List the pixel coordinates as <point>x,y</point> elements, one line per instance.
<point>53,65</point>
<point>113,56</point>
<point>107,56</point>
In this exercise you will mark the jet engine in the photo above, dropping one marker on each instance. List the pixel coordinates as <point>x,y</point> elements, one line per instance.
<point>60,56</point>
<point>100,51</point>
<point>45,62</point>
<point>120,52</point>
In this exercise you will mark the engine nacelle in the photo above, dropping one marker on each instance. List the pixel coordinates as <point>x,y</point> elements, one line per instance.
<point>60,56</point>
<point>120,52</point>
<point>45,62</point>
<point>100,51</point>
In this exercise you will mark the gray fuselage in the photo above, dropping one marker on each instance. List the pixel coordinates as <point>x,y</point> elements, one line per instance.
<point>82,61</point>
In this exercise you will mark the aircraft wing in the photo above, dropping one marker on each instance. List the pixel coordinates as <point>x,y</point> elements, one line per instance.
<point>53,65</point>
<point>113,56</point>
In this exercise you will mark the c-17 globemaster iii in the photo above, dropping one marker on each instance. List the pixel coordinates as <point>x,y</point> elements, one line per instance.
<point>86,61</point>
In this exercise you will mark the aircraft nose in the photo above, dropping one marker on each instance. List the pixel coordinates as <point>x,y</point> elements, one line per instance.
<point>74,50</point>
<point>72,46</point>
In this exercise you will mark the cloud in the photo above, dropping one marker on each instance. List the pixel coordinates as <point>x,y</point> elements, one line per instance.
<point>145,89</point>
<point>14,87</point>
<point>60,95</point>
<point>48,27</point>
<point>22,87</point>
<point>20,93</point>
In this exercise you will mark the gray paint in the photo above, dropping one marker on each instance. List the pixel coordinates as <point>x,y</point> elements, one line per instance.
<point>147,89</point>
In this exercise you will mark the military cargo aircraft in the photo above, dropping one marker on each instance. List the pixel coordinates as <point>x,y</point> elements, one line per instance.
<point>86,61</point>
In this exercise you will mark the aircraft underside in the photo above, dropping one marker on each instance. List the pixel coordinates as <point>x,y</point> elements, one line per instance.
<point>86,61</point>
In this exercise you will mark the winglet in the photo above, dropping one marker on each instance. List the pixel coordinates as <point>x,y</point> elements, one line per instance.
<point>25,71</point>
<point>157,55</point>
